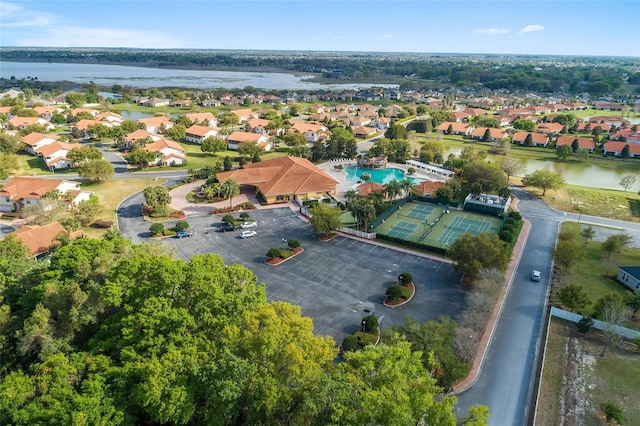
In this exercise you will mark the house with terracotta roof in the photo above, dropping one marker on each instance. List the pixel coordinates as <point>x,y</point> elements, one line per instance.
<point>609,106</point>
<point>537,139</point>
<point>359,121</point>
<point>456,128</point>
<point>47,112</point>
<point>24,122</point>
<point>39,239</point>
<point>257,125</point>
<point>180,103</point>
<point>427,188</point>
<point>110,118</point>
<point>625,136</point>
<point>367,188</point>
<point>364,132</point>
<point>610,120</point>
<point>494,134</point>
<point>382,123</point>
<point>170,153</point>
<point>35,140</point>
<point>92,112</point>
<point>236,138</point>
<point>313,132</point>
<point>615,148</point>
<point>588,127</point>
<point>6,110</point>
<point>583,143</point>
<point>19,192</point>
<point>54,155</point>
<point>244,114</point>
<point>197,134</point>
<point>547,128</point>
<point>155,124</point>
<point>202,118</point>
<point>283,179</point>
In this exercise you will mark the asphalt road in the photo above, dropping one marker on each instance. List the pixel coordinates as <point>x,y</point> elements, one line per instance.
<point>505,383</point>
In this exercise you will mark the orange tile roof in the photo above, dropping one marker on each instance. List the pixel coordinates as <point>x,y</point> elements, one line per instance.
<point>367,188</point>
<point>307,127</point>
<point>244,137</point>
<point>35,137</point>
<point>46,110</point>
<point>54,147</point>
<point>495,133</point>
<point>617,146</point>
<point>161,144</point>
<point>23,121</point>
<point>282,176</point>
<point>200,130</point>
<point>550,127</point>
<point>38,239</point>
<point>138,134</point>
<point>247,112</point>
<point>200,116</point>
<point>258,122</point>
<point>154,121</point>
<point>456,127</point>
<point>535,137</point>
<point>85,123</point>
<point>87,110</point>
<point>427,186</point>
<point>25,187</point>
<point>583,143</point>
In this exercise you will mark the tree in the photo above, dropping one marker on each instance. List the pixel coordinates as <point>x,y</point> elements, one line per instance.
<point>405,278</point>
<point>157,196</point>
<point>325,219</point>
<point>511,166</point>
<point>574,297</point>
<point>528,141</point>
<point>396,131</point>
<point>563,152</point>
<point>181,225</point>
<point>82,154</point>
<point>489,176</point>
<point>394,292</point>
<point>575,146</point>
<point>472,253</point>
<point>156,229</point>
<point>301,151</point>
<point>612,313</point>
<point>633,302</point>
<point>585,324</point>
<point>141,157</point>
<point>611,244</point>
<point>9,143</point>
<point>588,233</point>
<point>213,144</point>
<point>612,411</point>
<point>227,163</point>
<point>392,189</point>
<point>627,182</point>
<point>230,188</point>
<point>248,149</point>
<point>96,171</point>
<point>543,179</point>
<point>567,253</point>
<point>86,211</point>
<point>625,151</point>
<point>524,124</point>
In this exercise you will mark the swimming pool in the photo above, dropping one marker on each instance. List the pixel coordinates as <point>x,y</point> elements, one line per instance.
<point>383,176</point>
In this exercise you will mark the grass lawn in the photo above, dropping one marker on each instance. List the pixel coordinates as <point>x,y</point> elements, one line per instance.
<point>597,273</point>
<point>614,377</point>
<point>111,193</point>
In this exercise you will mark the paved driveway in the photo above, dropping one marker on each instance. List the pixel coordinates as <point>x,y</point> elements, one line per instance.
<point>336,283</point>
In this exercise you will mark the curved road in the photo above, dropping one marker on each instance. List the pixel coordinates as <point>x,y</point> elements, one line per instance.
<point>506,379</point>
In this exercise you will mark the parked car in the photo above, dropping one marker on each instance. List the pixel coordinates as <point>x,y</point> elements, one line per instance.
<point>246,225</point>
<point>247,234</point>
<point>183,234</point>
<point>535,275</point>
<point>225,227</point>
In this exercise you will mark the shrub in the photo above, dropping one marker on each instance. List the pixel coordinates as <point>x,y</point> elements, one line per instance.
<point>102,224</point>
<point>514,215</point>
<point>245,216</point>
<point>612,411</point>
<point>405,278</point>
<point>370,324</point>
<point>293,243</point>
<point>364,339</point>
<point>228,219</point>
<point>181,225</point>
<point>411,171</point>
<point>506,235</point>
<point>178,214</point>
<point>394,292</point>
<point>285,254</point>
<point>274,253</point>
<point>247,205</point>
<point>585,324</point>
<point>156,229</point>
<point>350,344</point>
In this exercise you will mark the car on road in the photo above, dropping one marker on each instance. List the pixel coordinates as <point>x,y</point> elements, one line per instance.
<point>225,227</point>
<point>535,275</point>
<point>184,234</point>
<point>247,234</point>
<point>246,225</point>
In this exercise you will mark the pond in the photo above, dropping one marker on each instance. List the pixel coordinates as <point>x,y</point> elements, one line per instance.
<point>578,173</point>
<point>381,176</point>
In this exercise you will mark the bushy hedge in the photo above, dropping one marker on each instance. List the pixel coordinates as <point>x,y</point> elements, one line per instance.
<point>293,243</point>
<point>370,324</point>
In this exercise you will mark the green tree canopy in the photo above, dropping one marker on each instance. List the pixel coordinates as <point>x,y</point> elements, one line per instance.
<point>472,253</point>
<point>544,179</point>
<point>325,219</point>
<point>96,171</point>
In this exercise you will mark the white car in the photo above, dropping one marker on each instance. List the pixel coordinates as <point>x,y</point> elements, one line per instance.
<point>535,276</point>
<point>247,234</point>
<point>246,225</point>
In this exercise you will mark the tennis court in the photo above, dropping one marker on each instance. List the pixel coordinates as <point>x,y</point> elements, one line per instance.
<point>434,226</point>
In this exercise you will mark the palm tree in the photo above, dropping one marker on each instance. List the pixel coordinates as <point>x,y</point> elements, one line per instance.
<point>392,189</point>
<point>407,186</point>
<point>350,195</point>
<point>230,188</point>
<point>633,302</point>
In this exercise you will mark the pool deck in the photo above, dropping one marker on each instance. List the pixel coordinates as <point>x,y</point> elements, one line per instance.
<point>344,185</point>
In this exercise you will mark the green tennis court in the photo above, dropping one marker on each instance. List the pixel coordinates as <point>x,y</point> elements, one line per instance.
<point>459,225</point>
<point>402,230</point>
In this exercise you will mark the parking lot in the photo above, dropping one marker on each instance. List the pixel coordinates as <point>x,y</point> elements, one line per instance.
<point>336,283</point>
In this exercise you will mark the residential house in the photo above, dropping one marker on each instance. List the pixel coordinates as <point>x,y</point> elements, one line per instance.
<point>364,132</point>
<point>609,106</point>
<point>170,152</point>
<point>54,154</point>
<point>313,132</point>
<point>39,239</point>
<point>197,134</point>
<point>583,143</point>
<point>244,114</point>
<point>427,188</point>
<point>626,136</point>
<point>629,276</point>
<point>156,102</point>
<point>283,179</point>
<point>6,111</point>
<point>202,118</point>
<point>382,123</point>
<point>20,192</point>
<point>24,122</point>
<point>180,103</point>
<point>83,126</point>
<point>494,134</point>
<point>548,128</point>
<point>110,119</point>
<point>615,148</point>
<point>537,139</point>
<point>236,138</point>
<point>47,112</point>
<point>358,121</point>
<point>393,111</point>
<point>211,103</point>
<point>257,125</point>
<point>155,124</point>
<point>367,188</point>
<point>35,140</point>
<point>368,107</point>
<point>588,127</point>
<point>454,128</point>
<point>610,120</point>
<point>138,135</point>
<point>92,112</point>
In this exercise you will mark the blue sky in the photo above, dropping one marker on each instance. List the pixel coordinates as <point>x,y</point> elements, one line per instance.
<point>554,27</point>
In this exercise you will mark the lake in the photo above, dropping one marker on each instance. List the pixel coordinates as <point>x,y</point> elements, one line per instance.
<point>108,75</point>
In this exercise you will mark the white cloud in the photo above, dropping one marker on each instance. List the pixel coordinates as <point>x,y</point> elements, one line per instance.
<point>491,31</point>
<point>388,36</point>
<point>101,37</point>
<point>15,16</point>
<point>531,29</point>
